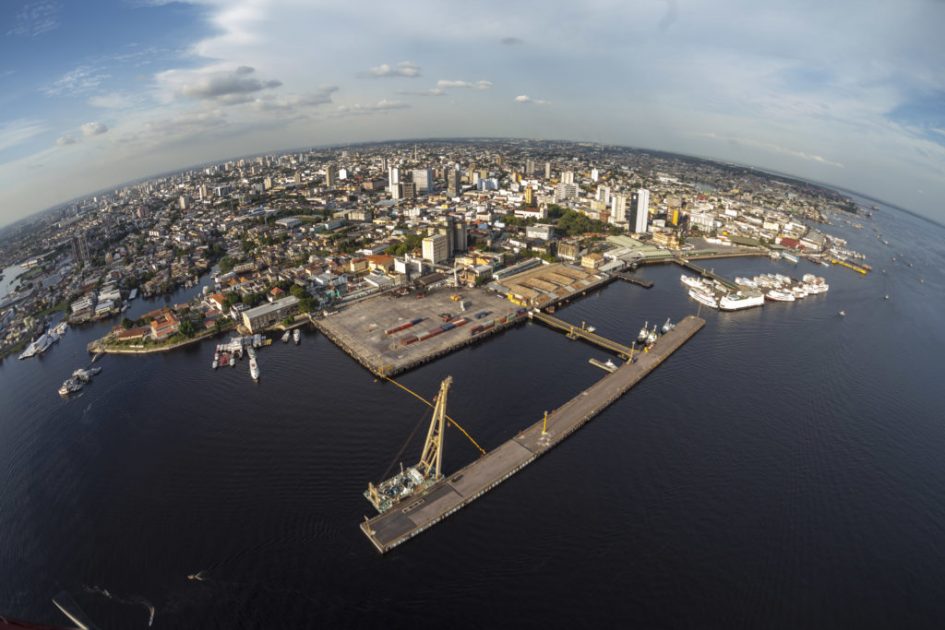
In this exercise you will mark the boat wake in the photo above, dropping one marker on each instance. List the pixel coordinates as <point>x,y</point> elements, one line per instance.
<point>133,600</point>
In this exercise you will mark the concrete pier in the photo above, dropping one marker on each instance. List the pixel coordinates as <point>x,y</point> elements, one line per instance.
<point>416,514</point>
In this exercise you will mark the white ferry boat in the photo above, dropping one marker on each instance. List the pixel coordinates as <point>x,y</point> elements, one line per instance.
<point>691,281</point>
<point>739,301</point>
<point>779,295</point>
<point>790,258</point>
<point>703,297</point>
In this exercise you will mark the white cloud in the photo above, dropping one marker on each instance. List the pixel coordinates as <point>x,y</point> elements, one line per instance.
<point>383,105</point>
<point>482,84</point>
<point>402,69</point>
<point>81,80</point>
<point>65,140</point>
<point>36,18</point>
<point>225,86</point>
<point>431,92</point>
<point>112,100</point>
<point>93,129</point>
<point>525,99</point>
<point>16,132</point>
<point>292,102</point>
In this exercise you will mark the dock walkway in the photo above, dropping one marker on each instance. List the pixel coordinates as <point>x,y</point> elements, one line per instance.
<point>574,332</point>
<point>455,491</point>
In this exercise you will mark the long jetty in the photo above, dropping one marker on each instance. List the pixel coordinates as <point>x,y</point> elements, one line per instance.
<point>575,332</point>
<point>417,514</point>
<point>706,273</point>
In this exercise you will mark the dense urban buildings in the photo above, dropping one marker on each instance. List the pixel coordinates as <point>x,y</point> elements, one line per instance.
<point>328,226</point>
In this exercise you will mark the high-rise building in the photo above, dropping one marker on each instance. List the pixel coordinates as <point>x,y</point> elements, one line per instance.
<point>595,174</point>
<point>603,194</point>
<point>530,167</point>
<point>435,248</point>
<point>618,214</point>
<point>393,182</point>
<point>80,248</point>
<point>331,176</point>
<point>408,191</point>
<point>547,170</point>
<point>639,210</point>
<point>297,178</point>
<point>423,179</point>
<point>567,177</point>
<point>454,184</point>
<point>530,197</point>
<point>565,192</point>
<point>182,202</point>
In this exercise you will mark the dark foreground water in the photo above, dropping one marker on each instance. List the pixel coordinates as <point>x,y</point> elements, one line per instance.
<point>784,469</point>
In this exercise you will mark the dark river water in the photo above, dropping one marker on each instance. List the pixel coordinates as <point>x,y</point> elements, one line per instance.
<point>784,469</point>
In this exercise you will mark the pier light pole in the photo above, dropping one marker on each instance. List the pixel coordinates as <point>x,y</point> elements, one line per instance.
<point>544,427</point>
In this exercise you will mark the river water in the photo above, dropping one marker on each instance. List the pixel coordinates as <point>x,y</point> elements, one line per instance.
<point>783,469</point>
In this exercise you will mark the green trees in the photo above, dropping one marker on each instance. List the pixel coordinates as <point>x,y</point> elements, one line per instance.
<point>187,328</point>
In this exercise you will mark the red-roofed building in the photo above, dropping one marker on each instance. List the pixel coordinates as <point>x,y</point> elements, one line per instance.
<point>164,325</point>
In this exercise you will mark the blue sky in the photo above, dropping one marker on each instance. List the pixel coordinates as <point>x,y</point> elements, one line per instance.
<point>93,94</point>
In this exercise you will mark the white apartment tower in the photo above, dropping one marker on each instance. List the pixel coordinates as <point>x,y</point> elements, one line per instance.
<point>639,210</point>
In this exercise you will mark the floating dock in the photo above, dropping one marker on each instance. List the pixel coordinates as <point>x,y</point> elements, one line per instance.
<point>632,279</point>
<point>415,515</point>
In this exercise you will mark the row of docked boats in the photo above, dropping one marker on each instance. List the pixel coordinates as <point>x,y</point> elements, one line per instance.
<point>45,341</point>
<point>648,336</point>
<point>78,379</point>
<point>780,288</point>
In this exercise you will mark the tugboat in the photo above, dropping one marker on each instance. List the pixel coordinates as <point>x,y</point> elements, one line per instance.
<point>668,326</point>
<point>644,332</point>
<point>71,385</point>
<point>652,336</point>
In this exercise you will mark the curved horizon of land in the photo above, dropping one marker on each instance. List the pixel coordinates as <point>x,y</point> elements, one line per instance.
<point>465,140</point>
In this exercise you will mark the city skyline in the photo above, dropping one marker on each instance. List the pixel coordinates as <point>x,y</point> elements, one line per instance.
<point>847,95</point>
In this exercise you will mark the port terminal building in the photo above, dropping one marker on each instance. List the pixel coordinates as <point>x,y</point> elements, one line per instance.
<point>261,317</point>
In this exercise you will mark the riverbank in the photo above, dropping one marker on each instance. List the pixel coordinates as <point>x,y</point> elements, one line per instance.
<point>107,346</point>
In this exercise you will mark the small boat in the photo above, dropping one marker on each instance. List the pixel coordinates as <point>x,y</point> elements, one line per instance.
<point>886,297</point>
<point>790,258</point>
<point>285,337</point>
<point>652,336</point>
<point>253,368</point>
<point>216,362</point>
<point>842,313</point>
<point>668,326</point>
<point>297,336</point>
<point>71,385</point>
<point>691,281</point>
<point>641,338</point>
<point>591,329</point>
<point>233,360</point>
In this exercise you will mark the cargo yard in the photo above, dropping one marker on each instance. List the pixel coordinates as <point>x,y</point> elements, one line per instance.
<point>391,334</point>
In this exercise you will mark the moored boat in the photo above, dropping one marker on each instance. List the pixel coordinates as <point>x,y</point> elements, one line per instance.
<point>704,297</point>
<point>738,301</point>
<point>779,295</point>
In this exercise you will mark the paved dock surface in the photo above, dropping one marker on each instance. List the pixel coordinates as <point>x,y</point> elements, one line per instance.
<point>413,516</point>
